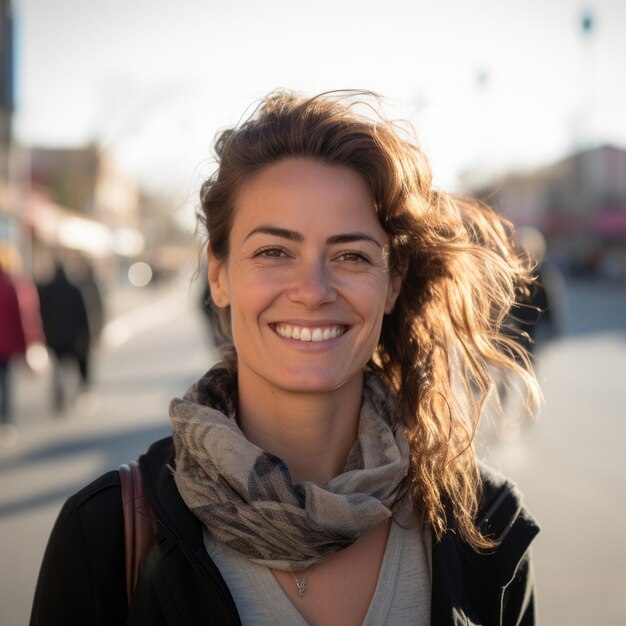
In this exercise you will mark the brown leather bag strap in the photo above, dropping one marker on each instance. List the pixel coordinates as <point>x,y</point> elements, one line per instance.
<point>139,522</point>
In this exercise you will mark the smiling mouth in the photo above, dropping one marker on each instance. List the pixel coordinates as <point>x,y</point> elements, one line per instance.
<point>306,333</point>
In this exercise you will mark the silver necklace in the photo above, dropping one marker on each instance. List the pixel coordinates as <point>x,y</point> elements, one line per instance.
<point>301,583</point>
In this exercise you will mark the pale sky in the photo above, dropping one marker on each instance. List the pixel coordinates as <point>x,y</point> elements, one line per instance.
<point>155,79</point>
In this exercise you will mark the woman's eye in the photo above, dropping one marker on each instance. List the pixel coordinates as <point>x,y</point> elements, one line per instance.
<point>270,253</point>
<point>354,257</point>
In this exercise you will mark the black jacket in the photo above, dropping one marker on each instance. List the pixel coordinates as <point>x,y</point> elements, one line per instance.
<point>82,578</point>
<point>64,315</point>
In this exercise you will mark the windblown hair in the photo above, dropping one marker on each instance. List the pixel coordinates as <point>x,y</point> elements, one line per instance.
<point>462,271</point>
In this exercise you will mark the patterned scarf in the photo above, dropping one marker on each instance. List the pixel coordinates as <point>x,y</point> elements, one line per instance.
<point>245,498</point>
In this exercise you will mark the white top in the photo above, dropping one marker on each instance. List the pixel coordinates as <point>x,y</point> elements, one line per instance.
<point>401,597</point>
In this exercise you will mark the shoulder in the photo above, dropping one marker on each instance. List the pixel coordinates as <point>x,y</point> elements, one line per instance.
<point>98,503</point>
<point>103,487</point>
<point>503,509</point>
<point>502,517</point>
<point>103,495</point>
<point>93,512</point>
<point>82,573</point>
<point>97,511</point>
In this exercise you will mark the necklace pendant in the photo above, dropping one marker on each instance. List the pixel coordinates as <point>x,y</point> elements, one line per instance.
<point>301,585</point>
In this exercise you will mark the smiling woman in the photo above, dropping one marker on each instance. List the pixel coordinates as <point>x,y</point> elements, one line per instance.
<point>323,472</point>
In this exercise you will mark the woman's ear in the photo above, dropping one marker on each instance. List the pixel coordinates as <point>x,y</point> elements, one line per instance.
<point>393,291</point>
<point>218,280</point>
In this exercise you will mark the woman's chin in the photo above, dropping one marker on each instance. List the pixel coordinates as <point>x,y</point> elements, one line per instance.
<point>313,382</point>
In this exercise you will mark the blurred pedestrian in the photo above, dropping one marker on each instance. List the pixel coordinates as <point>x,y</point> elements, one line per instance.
<point>88,284</point>
<point>534,319</point>
<point>324,471</point>
<point>537,316</point>
<point>12,344</point>
<point>66,329</point>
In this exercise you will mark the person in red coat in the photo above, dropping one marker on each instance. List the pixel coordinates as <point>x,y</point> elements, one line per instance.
<point>12,342</point>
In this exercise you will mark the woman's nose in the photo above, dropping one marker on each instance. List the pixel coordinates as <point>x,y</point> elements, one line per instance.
<point>312,285</point>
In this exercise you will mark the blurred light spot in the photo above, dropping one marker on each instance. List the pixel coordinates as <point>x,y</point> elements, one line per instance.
<point>116,333</point>
<point>127,242</point>
<point>37,358</point>
<point>140,274</point>
<point>78,233</point>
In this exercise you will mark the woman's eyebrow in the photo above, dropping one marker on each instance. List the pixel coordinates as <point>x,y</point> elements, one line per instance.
<point>351,237</point>
<point>293,235</point>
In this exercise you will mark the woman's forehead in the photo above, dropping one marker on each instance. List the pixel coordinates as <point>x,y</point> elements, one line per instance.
<point>303,194</point>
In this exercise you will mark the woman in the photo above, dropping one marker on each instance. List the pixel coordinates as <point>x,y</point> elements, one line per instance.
<point>324,473</point>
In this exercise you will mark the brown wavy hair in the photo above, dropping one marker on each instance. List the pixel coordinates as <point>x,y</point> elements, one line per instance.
<point>462,271</point>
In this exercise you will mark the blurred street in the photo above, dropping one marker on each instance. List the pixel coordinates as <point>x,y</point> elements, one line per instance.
<point>569,465</point>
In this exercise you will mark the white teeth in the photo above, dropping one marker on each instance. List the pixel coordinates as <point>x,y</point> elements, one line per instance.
<point>304,333</point>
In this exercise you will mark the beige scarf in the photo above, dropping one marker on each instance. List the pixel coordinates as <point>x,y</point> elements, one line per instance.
<point>245,498</point>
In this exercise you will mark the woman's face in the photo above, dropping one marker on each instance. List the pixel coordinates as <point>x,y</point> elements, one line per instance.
<point>307,278</point>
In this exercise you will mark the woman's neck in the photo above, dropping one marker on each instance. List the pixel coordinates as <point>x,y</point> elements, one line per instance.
<point>312,433</point>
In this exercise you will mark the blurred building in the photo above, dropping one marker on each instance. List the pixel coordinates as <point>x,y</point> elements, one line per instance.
<point>68,175</point>
<point>82,201</point>
<point>579,203</point>
<point>9,202</point>
<point>7,81</point>
<point>78,202</point>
